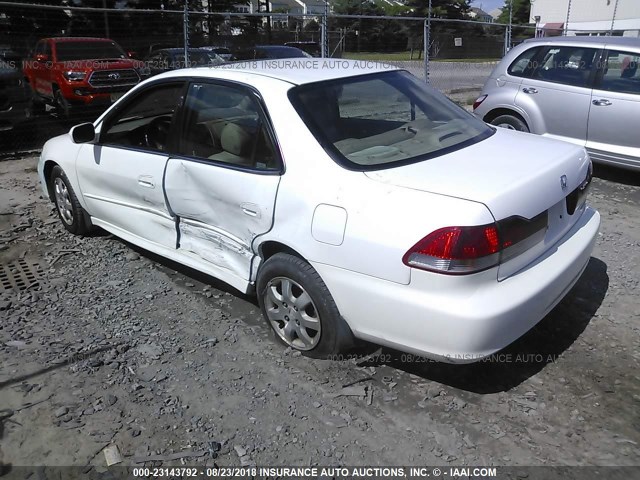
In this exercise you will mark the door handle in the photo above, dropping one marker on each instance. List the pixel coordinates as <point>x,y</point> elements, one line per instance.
<point>146,181</point>
<point>603,102</point>
<point>530,90</point>
<point>250,209</point>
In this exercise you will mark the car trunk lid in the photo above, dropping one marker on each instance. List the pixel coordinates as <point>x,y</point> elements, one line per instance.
<point>514,175</point>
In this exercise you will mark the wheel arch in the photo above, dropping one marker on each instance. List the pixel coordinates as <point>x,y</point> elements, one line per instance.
<point>49,165</point>
<point>497,112</point>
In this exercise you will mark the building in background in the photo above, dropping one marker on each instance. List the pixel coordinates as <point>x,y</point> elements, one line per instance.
<point>480,15</point>
<point>587,17</point>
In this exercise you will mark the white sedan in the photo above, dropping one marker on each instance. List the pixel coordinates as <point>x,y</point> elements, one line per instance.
<point>353,202</point>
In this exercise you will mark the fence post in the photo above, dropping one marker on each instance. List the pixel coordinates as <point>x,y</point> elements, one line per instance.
<point>426,35</point>
<point>324,38</point>
<point>186,32</point>
<point>613,19</point>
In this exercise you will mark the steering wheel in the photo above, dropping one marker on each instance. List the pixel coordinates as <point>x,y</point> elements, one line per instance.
<point>157,132</point>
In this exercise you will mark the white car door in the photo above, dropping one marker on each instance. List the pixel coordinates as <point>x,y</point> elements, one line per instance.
<point>222,186</point>
<point>121,174</point>
<point>615,108</point>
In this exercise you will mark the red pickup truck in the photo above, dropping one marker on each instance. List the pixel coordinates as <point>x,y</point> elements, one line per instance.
<point>73,72</point>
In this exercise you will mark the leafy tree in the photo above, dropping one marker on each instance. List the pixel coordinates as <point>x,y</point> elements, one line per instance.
<point>520,12</point>
<point>452,9</point>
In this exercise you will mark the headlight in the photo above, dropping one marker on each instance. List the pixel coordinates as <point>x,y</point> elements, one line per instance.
<point>74,76</point>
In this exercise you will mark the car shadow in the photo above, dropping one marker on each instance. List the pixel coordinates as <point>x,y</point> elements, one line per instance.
<point>195,275</point>
<point>617,175</point>
<point>528,355</point>
<point>513,365</point>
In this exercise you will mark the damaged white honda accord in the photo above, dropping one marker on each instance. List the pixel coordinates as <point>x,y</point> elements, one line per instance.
<point>354,203</point>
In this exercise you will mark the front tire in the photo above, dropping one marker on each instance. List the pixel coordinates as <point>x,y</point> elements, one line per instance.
<point>74,218</point>
<point>510,122</point>
<point>300,309</point>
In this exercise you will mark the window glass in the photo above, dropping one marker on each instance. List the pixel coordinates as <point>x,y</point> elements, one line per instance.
<point>379,101</point>
<point>89,50</point>
<point>566,65</point>
<point>145,121</point>
<point>224,124</point>
<point>621,73</point>
<point>523,65</point>
<point>381,120</point>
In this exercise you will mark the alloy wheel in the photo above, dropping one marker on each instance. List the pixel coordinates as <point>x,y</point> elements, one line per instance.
<point>292,313</point>
<point>63,201</point>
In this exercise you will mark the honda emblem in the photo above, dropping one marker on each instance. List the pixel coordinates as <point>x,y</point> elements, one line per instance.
<point>563,182</point>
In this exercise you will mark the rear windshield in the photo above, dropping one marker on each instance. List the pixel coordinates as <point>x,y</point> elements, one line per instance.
<point>384,120</point>
<point>68,51</point>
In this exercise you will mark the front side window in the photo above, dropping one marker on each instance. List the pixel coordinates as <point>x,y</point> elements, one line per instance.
<point>146,120</point>
<point>224,124</point>
<point>384,120</point>
<point>566,65</point>
<point>621,73</point>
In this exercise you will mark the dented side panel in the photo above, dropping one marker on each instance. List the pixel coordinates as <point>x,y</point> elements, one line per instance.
<point>221,211</point>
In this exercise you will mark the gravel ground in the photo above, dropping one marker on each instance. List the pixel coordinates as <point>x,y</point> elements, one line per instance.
<point>114,346</point>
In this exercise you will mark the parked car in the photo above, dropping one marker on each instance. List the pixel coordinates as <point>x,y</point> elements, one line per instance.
<point>262,52</point>
<point>352,202</point>
<point>585,90</point>
<point>73,72</point>
<point>15,94</point>
<point>168,59</point>
<point>312,48</point>
<point>222,52</point>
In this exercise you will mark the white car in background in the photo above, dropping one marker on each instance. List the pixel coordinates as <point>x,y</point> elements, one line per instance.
<point>352,202</point>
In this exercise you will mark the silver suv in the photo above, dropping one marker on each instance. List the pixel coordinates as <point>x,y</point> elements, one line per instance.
<point>585,90</point>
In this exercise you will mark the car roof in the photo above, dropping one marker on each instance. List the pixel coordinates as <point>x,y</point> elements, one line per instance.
<point>608,40</point>
<point>297,71</point>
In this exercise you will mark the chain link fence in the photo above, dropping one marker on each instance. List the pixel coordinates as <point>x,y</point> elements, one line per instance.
<point>454,56</point>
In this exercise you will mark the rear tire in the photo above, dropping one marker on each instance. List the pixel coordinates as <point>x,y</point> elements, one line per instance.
<point>510,122</point>
<point>299,308</point>
<point>73,217</point>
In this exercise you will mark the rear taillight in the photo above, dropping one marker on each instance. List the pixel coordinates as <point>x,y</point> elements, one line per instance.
<point>462,250</point>
<point>479,101</point>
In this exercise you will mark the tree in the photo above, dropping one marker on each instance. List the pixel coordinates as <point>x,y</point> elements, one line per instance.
<point>451,9</point>
<point>520,12</point>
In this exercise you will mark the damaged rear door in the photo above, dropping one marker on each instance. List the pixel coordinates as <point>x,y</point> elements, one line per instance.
<point>222,185</point>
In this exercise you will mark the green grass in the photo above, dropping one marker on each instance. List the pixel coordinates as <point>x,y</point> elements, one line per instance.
<point>405,56</point>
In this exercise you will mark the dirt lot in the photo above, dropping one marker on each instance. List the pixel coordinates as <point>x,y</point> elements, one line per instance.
<point>114,346</point>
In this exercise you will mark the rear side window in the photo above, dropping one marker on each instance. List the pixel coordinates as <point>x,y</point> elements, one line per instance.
<point>524,64</point>
<point>621,73</point>
<point>566,65</point>
<point>224,124</point>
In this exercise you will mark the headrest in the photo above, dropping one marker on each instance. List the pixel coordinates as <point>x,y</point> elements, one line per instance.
<point>236,140</point>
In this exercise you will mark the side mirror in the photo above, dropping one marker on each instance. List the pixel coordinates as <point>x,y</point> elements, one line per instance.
<point>41,57</point>
<point>83,133</point>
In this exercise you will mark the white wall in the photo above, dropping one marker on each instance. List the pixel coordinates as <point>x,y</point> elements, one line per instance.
<point>589,14</point>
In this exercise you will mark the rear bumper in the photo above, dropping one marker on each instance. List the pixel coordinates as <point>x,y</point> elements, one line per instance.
<point>462,319</point>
